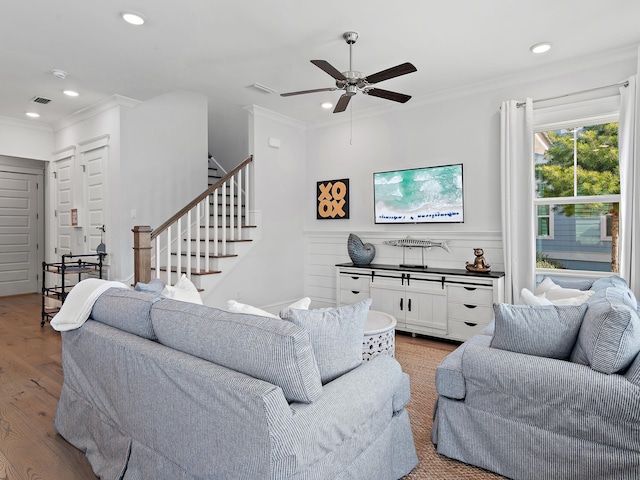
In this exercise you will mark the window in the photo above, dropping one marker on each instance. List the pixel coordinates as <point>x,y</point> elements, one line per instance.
<point>577,195</point>
<point>545,221</point>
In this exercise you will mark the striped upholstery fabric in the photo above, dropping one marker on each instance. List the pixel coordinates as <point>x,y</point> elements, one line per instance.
<point>144,411</point>
<point>633,374</point>
<point>609,337</point>
<point>449,378</point>
<point>336,335</point>
<point>270,349</point>
<point>575,284</point>
<point>535,418</point>
<point>545,330</point>
<point>128,310</point>
<point>606,282</point>
<point>528,417</point>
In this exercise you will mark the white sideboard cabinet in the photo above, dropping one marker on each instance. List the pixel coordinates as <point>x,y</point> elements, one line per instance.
<point>446,303</point>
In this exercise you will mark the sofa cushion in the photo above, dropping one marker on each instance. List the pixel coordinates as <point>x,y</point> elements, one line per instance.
<point>336,335</point>
<point>127,310</point>
<point>543,331</point>
<point>270,349</point>
<point>606,282</point>
<point>609,337</point>
<point>571,283</point>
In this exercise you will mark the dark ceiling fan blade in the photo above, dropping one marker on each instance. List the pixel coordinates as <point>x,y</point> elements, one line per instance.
<point>328,68</point>
<point>386,94</point>
<point>301,92</point>
<point>342,104</point>
<point>392,72</point>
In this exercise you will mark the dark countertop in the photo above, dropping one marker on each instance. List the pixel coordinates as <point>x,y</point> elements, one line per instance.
<point>434,270</point>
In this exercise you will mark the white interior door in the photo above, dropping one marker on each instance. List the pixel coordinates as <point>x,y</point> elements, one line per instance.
<point>19,229</point>
<point>95,164</point>
<point>64,203</point>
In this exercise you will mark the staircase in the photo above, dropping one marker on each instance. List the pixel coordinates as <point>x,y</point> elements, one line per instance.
<point>204,237</point>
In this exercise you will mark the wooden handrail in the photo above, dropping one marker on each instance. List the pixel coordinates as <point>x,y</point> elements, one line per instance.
<point>198,199</point>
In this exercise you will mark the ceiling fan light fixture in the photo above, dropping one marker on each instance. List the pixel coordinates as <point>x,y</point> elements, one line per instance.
<point>541,47</point>
<point>326,105</point>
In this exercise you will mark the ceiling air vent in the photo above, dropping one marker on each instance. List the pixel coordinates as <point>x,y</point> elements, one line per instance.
<point>40,100</point>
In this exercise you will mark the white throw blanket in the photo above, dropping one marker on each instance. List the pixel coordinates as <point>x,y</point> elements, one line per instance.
<point>77,306</point>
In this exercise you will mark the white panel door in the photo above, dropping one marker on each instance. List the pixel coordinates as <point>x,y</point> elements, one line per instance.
<point>19,264</point>
<point>64,203</point>
<point>95,163</point>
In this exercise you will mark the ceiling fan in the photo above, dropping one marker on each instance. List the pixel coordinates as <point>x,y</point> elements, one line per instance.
<point>352,82</point>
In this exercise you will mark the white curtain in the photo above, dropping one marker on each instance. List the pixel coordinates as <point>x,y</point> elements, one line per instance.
<point>517,183</point>
<point>628,147</point>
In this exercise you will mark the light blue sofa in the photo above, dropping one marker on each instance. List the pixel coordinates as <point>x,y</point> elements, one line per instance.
<point>529,416</point>
<point>161,389</point>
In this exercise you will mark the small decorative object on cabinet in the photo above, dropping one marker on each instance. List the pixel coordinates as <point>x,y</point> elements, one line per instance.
<point>79,265</point>
<point>479,264</point>
<point>359,252</point>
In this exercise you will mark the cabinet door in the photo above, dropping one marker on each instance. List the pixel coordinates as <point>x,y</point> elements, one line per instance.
<point>389,299</point>
<point>427,308</point>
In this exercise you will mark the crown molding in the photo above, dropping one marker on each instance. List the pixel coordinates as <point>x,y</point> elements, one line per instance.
<point>96,109</point>
<point>257,111</point>
<point>16,122</point>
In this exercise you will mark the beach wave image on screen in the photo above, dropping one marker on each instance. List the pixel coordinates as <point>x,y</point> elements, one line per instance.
<point>419,195</point>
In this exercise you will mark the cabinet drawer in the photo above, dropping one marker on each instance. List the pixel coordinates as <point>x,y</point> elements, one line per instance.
<point>354,282</point>
<point>463,330</point>
<point>468,312</point>
<point>347,297</point>
<point>470,295</point>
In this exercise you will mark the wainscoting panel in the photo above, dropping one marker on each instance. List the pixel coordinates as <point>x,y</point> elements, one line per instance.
<point>323,250</point>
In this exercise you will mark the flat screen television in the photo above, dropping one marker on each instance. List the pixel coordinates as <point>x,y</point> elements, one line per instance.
<point>419,195</point>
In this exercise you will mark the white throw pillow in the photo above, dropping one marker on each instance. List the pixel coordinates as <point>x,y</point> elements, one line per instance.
<point>544,286</point>
<point>237,307</point>
<point>528,298</point>
<point>184,291</point>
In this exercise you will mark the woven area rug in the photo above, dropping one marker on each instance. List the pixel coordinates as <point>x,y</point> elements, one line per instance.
<point>420,362</point>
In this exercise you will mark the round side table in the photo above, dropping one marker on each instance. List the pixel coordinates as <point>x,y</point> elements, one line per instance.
<point>379,335</point>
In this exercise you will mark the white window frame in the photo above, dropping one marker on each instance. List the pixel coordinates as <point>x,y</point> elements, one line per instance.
<point>591,112</point>
<point>603,229</point>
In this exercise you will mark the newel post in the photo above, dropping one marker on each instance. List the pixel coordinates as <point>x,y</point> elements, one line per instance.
<point>141,254</point>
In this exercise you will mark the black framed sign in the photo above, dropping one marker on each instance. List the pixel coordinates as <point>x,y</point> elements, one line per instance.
<point>333,199</point>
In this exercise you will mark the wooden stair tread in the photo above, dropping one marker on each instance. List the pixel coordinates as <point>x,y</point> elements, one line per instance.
<point>202,255</point>
<point>193,271</point>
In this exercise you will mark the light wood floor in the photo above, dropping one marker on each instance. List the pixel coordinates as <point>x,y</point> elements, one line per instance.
<point>30,384</point>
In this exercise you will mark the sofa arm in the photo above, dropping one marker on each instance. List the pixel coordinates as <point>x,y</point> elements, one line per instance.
<point>546,391</point>
<point>449,378</point>
<point>356,407</point>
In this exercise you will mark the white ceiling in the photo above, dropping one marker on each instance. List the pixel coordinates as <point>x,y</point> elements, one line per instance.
<point>220,47</point>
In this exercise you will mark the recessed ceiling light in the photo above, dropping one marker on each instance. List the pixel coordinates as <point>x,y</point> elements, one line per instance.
<point>541,47</point>
<point>70,93</point>
<point>327,105</point>
<point>132,18</point>
<point>32,114</point>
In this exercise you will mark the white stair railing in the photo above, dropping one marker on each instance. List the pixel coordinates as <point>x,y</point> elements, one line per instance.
<point>196,223</point>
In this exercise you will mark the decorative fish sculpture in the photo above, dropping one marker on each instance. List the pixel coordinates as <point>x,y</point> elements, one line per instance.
<point>415,242</point>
